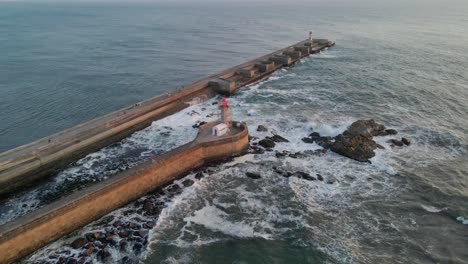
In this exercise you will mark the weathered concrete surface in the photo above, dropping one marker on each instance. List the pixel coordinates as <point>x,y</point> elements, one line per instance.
<point>22,166</point>
<point>33,231</point>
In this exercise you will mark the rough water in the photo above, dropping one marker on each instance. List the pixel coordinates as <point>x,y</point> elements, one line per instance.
<point>403,65</point>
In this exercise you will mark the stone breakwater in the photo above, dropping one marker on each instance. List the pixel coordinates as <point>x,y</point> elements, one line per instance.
<point>122,236</point>
<point>26,164</point>
<point>32,231</point>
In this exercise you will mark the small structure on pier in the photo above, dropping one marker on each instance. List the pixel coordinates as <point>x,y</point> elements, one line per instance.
<point>225,118</point>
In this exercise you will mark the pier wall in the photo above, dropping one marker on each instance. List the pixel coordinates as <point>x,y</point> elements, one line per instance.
<point>26,164</point>
<point>33,231</point>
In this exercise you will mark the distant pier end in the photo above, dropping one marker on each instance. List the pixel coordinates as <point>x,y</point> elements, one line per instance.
<point>26,164</point>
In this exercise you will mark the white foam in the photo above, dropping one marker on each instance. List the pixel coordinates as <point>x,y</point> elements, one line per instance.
<point>214,219</point>
<point>431,209</point>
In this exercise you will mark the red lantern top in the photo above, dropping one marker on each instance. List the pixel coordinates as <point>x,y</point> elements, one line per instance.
<point>224,103</point>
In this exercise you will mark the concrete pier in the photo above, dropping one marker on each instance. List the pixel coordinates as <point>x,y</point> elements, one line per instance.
<point>26,164</point>
<point>35,230</point>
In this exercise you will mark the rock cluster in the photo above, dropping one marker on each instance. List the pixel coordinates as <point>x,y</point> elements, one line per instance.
<point>357,141</point>
<point>127,233</point>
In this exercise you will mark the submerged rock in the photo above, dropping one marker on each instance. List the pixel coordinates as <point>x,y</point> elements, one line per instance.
<point>387,132</point>
<point>262,128</point>
<point>319,177</point>
<point>304,175</point>
<point>395,142</point>
<point>267,143</point>
<point>79,242</point>
<point>278,139</point>
<point>253,175</point>
<point>405,141</point>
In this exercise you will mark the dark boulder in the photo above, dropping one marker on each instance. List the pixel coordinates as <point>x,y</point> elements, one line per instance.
<point>364,127</point>
<point>304,175</point>
<point>267,143</point>
<point>360,147</point>
<point>319,177</point>
<point>199,175</point>
<point>405,141</point>
<point>387,132</point>
<point>197,125</point>
<point>79,242</point>
<point>253,175</point>
<point>395,142</point>
<point>262,128</point>
<point>103,255</point>
<point>188,182</point>
<point>278,139</point>
<point>148,207</point>
<point>324,142</point>
<point>256,150</point>
<point>137,247</point>
<point>308,140</point>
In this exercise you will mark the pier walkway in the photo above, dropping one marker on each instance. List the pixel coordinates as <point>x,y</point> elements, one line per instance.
<point>23,165</point>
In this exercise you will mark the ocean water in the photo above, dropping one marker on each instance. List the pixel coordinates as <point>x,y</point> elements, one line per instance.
<point>400,63</point>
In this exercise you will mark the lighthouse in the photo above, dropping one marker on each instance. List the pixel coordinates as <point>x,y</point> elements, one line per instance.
<point>225,118</point>
<point>225,113</point>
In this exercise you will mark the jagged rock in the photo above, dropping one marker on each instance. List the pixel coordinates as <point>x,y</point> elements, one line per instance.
<point>297,155</point>
<point>141,233</point>
<point>199,175</point>
<point>262,128</point>
<point>331,180</point>
<point>116,224</point>
<point>319,177</point>
<point>72,261</point>
<point>395,142</point>
<point>150,224</point>
<point>281,154</point>
<point>405,141</point>
<point>124,233</point>
<point>197,125</point>
<point>79,242</point>
<point>174,188</point>
<point>364,127</point>
<point>148,207</point>
<point>253,175</point>
<point>267,143</point>
<point>188,182</point>
<point>278,139</point>
<point>256,150</point>
<point>125,260</point>
<point>387,132</point>
<point>324,142</point>
<point>360,147</point>
<point>103,255</point>
<point>275,169</point>
<point>304,175</point>
<point>88,252</point>
<point>137,247</point>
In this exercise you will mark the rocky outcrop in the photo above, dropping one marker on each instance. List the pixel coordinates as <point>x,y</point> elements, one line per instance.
<point>357,141</point>
<point>358,147</point>
<point>253,175</point>
<point>267,143</point>
<point>262,128</point>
